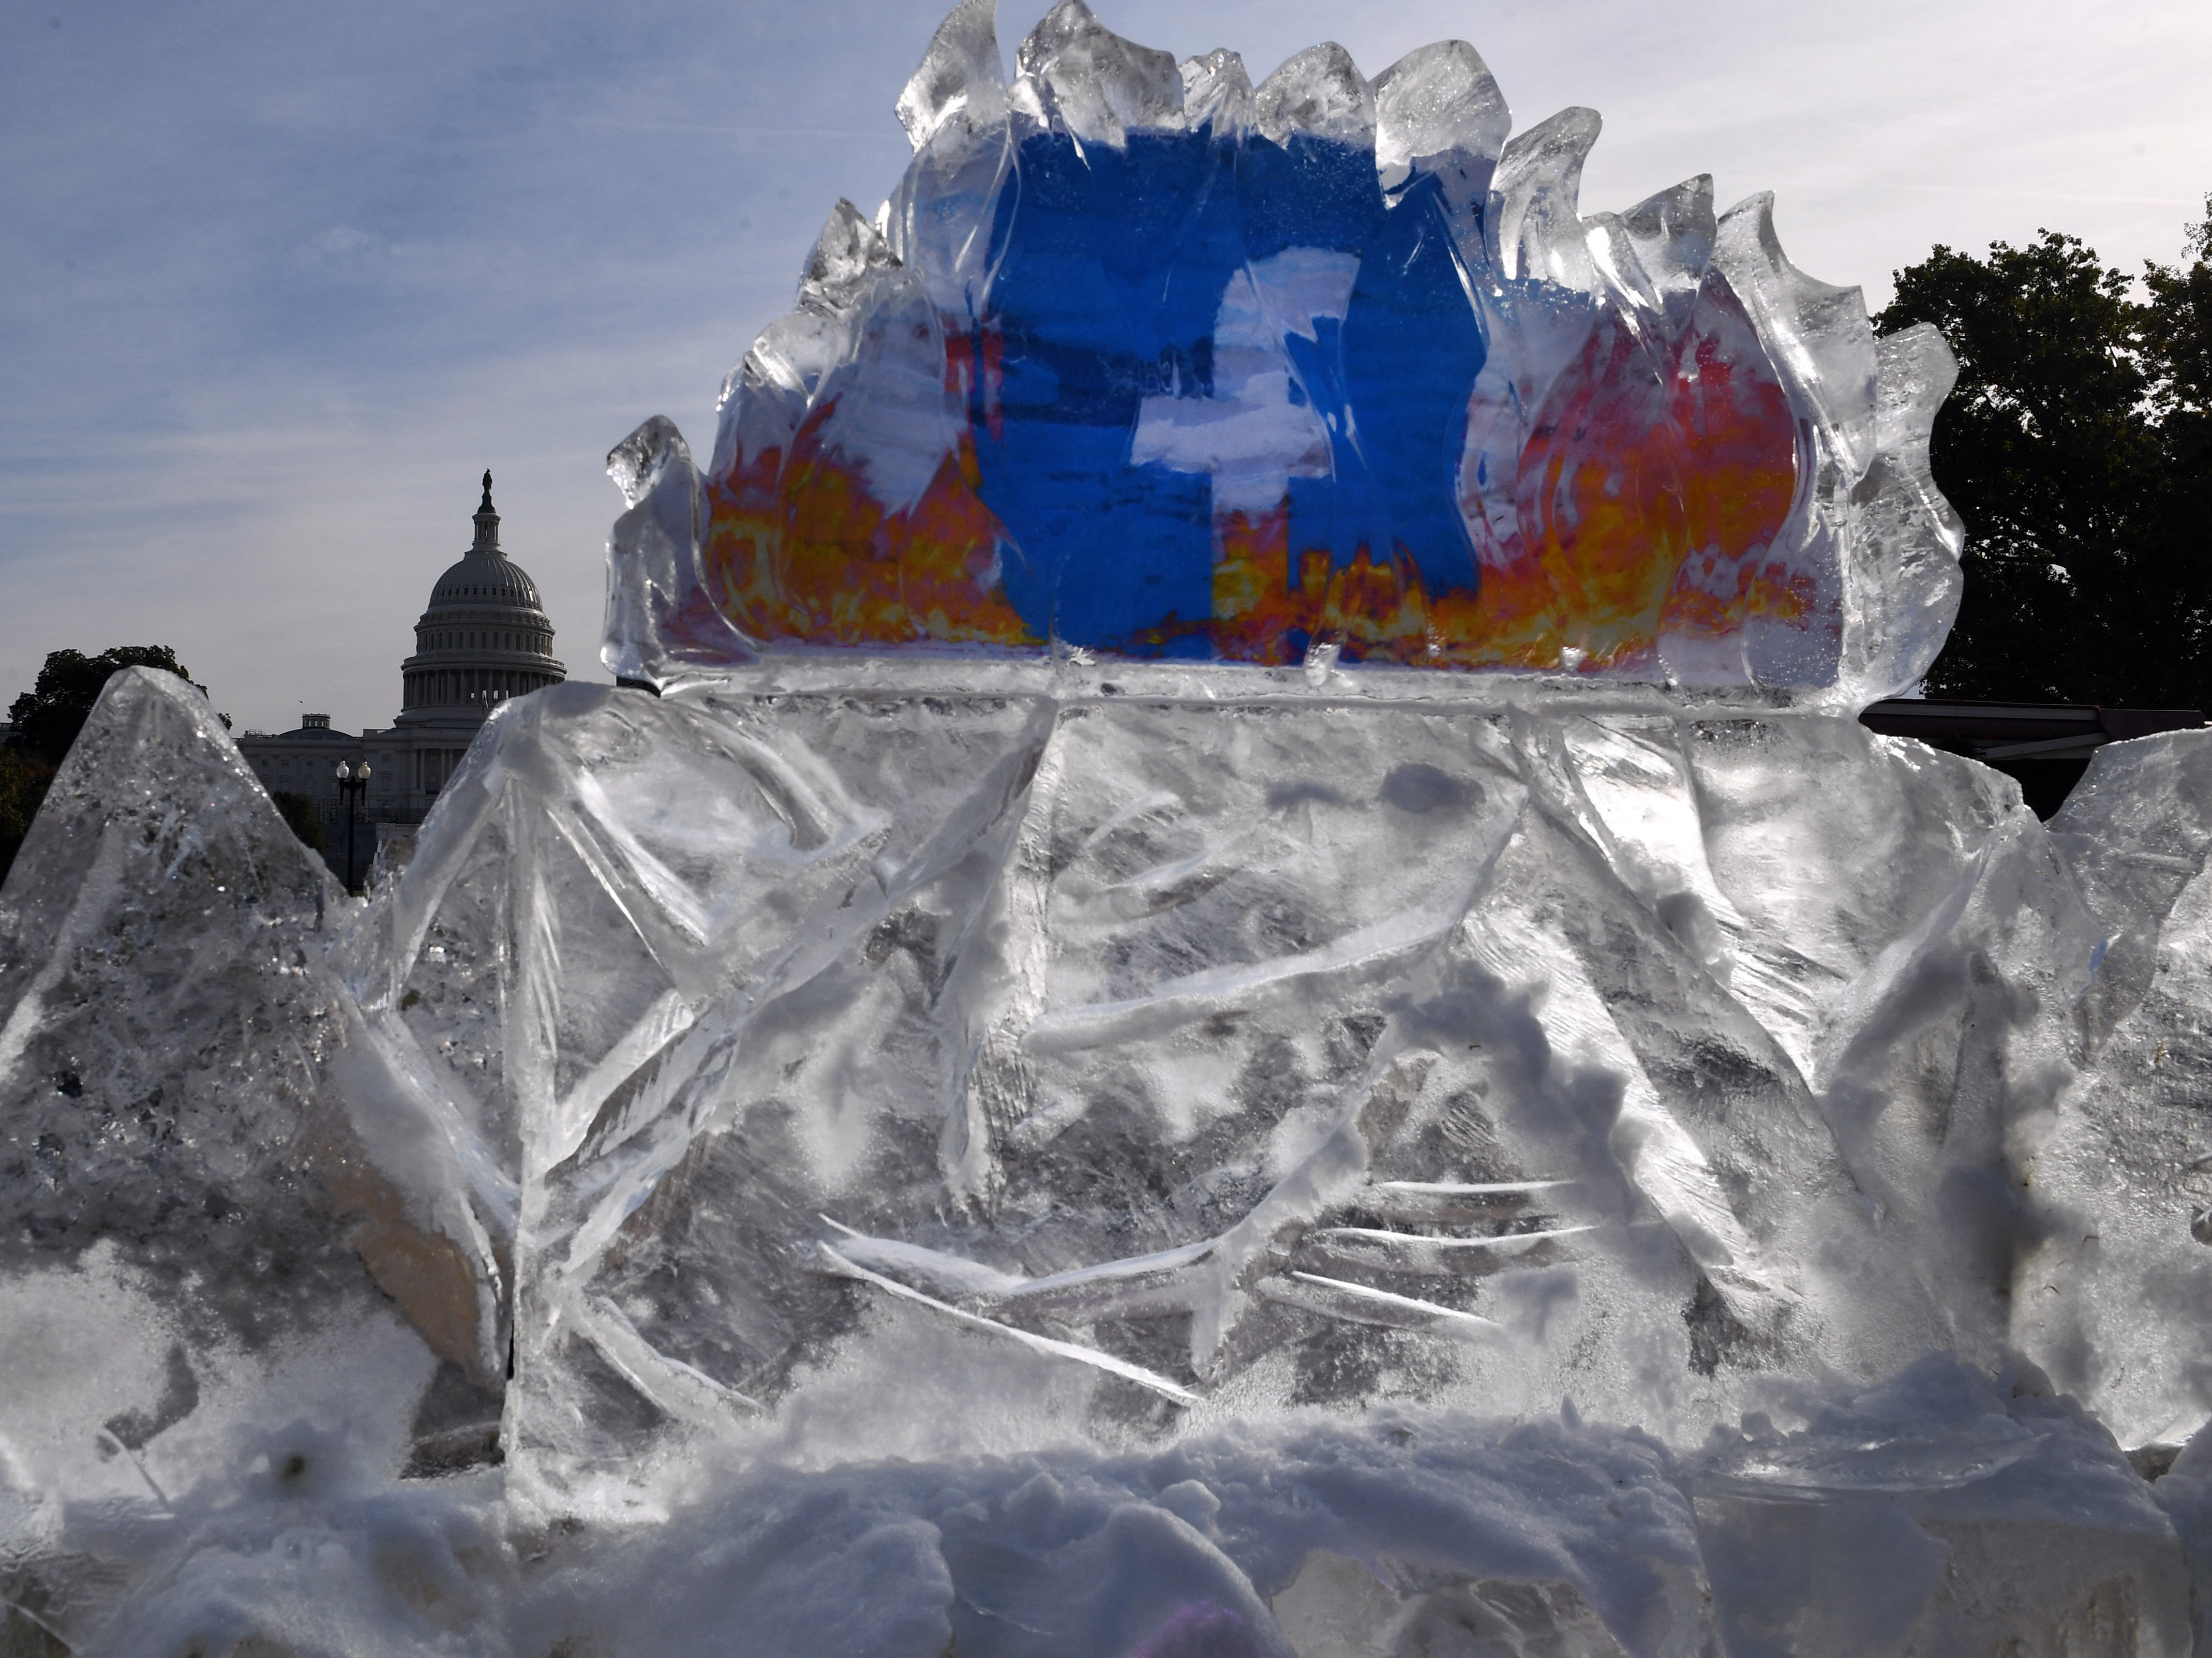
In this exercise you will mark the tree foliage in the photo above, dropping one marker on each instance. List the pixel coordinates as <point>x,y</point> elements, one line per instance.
<point>300,816</point>
<point>23,779</point>
<point>48,716</point>
<point>2078,448</point>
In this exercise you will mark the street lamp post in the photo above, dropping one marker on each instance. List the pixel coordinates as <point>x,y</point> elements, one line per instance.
<point>351,784</point>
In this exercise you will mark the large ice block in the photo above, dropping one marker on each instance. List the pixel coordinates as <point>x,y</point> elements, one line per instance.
<point>1191,1059</point>
<point>231,1258</point>
<point>2117,1277</point>
<point>1078,1017</point>
<point>196,1109</point>
<point>1943,1512</point>
<point>1095,1162</point>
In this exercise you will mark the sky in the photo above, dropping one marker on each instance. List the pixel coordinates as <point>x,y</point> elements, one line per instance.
<point>279,280</point>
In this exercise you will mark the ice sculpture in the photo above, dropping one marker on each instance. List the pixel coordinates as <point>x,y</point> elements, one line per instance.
<point>1140,362</point>
<point>1060,1090</point>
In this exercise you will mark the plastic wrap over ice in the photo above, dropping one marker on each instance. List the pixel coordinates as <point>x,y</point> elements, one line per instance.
<point>1141,361</point>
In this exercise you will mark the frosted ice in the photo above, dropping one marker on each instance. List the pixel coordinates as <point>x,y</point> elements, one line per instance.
<point>1090,82</point>
<point>884,1141</point>
<point>1216,93</point>
<point>1319,92</point>
<point>1437,109</point>
<point>959,78</point>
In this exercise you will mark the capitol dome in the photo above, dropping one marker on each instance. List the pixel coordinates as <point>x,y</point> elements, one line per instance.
<point>485,636</point>
<point>498,580</point>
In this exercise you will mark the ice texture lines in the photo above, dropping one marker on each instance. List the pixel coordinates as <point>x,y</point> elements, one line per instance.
<point>1511,1047</point>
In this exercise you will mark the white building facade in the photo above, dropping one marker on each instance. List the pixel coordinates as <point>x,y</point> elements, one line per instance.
<point>484,638</point>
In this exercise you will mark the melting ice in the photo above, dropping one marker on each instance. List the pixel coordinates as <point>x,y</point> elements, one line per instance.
<point>1077,1082</point>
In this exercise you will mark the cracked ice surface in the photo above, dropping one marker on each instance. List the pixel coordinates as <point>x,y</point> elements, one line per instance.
<point>1111,1172</point>
<point>1193,1062</point>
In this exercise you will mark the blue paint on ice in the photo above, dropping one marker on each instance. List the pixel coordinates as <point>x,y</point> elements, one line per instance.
<point>1112,267</point>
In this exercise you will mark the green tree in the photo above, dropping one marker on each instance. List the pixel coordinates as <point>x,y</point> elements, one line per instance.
<point>300,816</point>
<point>48,716</point>
<point>2077,449</point>
<point>2177,334</point>
<point>23,779</point>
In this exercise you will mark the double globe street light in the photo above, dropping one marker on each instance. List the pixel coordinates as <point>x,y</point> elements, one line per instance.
<point>351,785</point>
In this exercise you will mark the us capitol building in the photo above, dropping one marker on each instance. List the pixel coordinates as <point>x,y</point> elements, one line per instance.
<point>485,638</point>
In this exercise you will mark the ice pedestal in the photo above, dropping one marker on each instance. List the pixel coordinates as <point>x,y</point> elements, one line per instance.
<point>193,1111</point>
<point>1193,1061</point>
<point>1066,1085</point>
<point>1183,1054</point>
<point>2127,1163</point>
